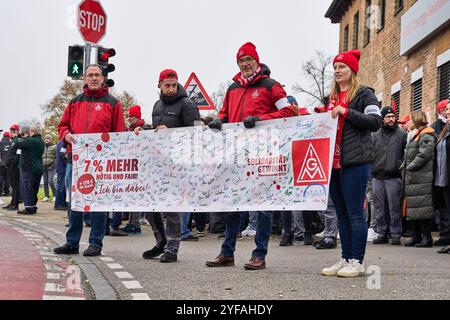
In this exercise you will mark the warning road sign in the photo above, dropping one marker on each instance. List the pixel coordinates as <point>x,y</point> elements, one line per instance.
<point>198,94</point>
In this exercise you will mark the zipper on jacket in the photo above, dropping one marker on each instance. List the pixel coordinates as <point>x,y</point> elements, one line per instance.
<point>243,103</point>
<point>89,113</point>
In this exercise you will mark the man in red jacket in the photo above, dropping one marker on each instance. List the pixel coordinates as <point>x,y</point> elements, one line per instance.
<point>93,111</point>
<point>253,97</point>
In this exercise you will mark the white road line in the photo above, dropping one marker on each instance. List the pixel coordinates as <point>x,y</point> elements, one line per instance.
<point>114,266</point>
<point>140,296</point>
<point>42,248</point>
<point>54,287</point>
<point>51,258</point>
<point>54,276</point>
<point>123,275</point>
<point>106,259</point>
<point>47,253</point>
<point>51,267</point>
<point>46,297</point>
<point>132,284</point>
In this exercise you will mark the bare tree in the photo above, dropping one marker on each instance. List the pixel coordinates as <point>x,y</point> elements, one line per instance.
<point>127,100</point>
<point>318,73</point>
<point>218,96</point>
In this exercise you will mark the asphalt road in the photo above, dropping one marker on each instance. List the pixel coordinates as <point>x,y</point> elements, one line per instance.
<point>293,273</point>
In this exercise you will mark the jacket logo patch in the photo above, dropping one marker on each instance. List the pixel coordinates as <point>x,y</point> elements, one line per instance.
<point>171,113</point>
<point>98,107</point>
<point>255,93</point>
<point>310,161</point>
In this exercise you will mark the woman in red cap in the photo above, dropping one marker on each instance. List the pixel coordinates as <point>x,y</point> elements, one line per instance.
<point>358,111</point>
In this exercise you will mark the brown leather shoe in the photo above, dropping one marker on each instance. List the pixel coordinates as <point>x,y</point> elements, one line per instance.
<point>255,264</point>
<point>221,261</point>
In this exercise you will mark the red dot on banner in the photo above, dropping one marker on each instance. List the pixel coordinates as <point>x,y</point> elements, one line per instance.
<point>76,157</point>
<point>278,187</point>
<point>105,137</point>
<point>73,188</point>
<point>248,174</point>
<point>87,209</point>
<point>99,148</point>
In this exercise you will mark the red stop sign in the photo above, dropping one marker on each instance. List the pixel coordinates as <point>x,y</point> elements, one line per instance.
<point>91,20</point>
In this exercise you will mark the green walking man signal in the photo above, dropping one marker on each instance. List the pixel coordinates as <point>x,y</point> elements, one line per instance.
<point>75,66</point>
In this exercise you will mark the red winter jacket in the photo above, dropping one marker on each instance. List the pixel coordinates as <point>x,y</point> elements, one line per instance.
<point>92,112</point>
<point>263,98</point>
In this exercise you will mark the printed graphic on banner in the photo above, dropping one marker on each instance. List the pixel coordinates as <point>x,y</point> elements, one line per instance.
<point>281,164</point>
<point>311,161</point>
<point>198,94</point>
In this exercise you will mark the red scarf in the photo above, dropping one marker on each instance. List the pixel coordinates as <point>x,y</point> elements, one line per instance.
<point>140,123</point>
<point>245,82</point>
<point>337,150</point>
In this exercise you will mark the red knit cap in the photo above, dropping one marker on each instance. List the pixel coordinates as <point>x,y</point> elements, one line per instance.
<point>15,127</point>
<point>168,74</point>
<point>350,58</point>
<point>442,105</point>
<point>6,134</point>
<point>135,111</point>
<point>248,49</point>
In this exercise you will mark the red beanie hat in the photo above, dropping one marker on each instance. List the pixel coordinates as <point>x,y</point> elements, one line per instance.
<point>135,111</point>
<point>248,49</point>
<point>350,58</point>
<point>14,127</point>
<point>167,74</point>
<point>6,134</point>
<point>442,105</point>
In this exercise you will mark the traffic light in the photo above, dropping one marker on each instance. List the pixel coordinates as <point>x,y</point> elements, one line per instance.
<point>75,62</point>
<point>103,55</point>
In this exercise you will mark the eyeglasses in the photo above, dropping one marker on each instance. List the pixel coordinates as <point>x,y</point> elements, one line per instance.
<point>390,116</point>
<point>245,60</point>
<point>94,75</point>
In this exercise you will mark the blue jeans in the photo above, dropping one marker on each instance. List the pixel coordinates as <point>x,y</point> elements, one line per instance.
<point>60,191</point>
<point>115,221</point>
<point>185,231</point>
<point>348,190</point>
<point>263,232</point>
<point>98,224</point>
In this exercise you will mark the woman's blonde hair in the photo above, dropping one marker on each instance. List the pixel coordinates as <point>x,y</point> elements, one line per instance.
<point>351,91</point>
<point>419,119</point>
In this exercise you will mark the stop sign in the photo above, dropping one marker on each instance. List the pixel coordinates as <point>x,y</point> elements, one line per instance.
<point>91,20</point>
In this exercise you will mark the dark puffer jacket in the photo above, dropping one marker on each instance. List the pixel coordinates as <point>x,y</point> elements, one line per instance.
<point>389,148</point>
<point>175,111</point>
<point>363,117</point>
<point>418,175</point>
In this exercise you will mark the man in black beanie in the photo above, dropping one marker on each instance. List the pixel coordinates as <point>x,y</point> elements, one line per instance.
<point>389,147</point>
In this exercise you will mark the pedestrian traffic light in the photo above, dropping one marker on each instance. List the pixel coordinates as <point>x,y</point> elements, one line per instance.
<point>103,55</point>
<point>75,62</point>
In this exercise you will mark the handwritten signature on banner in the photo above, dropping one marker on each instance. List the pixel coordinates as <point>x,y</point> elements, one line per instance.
<point>282,164</point>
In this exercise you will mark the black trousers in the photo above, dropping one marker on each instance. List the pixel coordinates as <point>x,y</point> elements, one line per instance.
<point>4,180</point>
<point>15,183</point>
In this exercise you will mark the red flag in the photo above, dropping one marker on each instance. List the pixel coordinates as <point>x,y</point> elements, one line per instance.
<point>394,106</point>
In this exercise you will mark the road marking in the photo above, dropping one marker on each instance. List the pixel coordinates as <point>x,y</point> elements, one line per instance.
<point>106,259</point>
<point>54,276</point>
<point>51,267</point>
<point>124,275</point>
<point>54,287</point>
<point>140,296</point>
<point>132,284</point>
<point>51,259</point>
<point>114,266</point>
<point>45,297</point>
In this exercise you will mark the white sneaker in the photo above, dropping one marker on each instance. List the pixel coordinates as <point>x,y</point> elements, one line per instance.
<point>252,233</point>
<point>248,232</point>
<point>53,199</point>
<point>45,199</point>
<point>337,236</point>
<point>144,221</point>
<point>320,235</point>
<point>333,270</point>
<point>353,269</point>
<point>371,235</point>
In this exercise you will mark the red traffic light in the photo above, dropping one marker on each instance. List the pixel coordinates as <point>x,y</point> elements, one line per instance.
<point>105,55</point>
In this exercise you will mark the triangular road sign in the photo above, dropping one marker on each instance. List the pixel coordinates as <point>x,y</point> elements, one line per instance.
<point>197,93</point>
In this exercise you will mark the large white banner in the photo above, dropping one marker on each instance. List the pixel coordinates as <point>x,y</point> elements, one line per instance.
<point>282,164</point>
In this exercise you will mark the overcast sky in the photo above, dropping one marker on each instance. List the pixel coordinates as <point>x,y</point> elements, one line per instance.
<point>200,36</point>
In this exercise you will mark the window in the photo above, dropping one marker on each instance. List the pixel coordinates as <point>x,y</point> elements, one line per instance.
<point>416,95</point>
<point>444,81</point>
<point>398,6</point>
<point>345,48</point>
<point>356,31</point>
<point>381,14</point>
<point>395,102</point>
<point>368,22</point>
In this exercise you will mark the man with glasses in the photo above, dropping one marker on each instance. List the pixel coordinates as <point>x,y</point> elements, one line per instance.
<point>93,111</point>
<point>389,147</point>
<point>253,97</point>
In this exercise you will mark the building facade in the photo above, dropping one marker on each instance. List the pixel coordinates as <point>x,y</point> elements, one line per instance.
<point>405,49</point>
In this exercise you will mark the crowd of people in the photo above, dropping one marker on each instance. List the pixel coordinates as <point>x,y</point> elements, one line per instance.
<point>388,181</point>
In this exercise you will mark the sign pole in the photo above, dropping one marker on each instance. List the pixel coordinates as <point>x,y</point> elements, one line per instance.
<point>87,55</point>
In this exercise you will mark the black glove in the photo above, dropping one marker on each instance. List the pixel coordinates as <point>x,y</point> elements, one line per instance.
<point>215,124</point>
<point>250,122</point>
